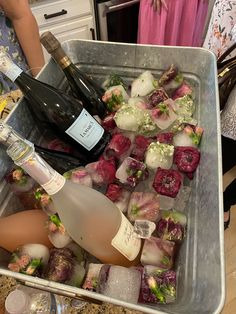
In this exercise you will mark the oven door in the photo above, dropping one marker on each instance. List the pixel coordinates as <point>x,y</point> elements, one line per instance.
<point>118,20</point>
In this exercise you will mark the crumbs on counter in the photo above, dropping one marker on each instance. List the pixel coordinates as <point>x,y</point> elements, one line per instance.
<point>8,284</point>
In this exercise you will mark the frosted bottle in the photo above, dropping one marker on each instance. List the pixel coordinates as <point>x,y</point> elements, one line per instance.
<point>90,218</point>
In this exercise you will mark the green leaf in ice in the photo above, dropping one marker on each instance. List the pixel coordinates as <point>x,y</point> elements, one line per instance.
<point>155,289</point>
<point>56,220</point>
<point>114,80</point>
<point>165,260</point>
<point>134,210</point>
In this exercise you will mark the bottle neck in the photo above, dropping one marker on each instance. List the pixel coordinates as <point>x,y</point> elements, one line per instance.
<point>61,58</point>
<point>8,136</point>
<point>10,69</point>
<point>65,62</point>
<point>25,157</point>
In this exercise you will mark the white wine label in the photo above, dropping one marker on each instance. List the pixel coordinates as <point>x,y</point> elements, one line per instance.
<point>55,184</point>
<point>11,70</point>
<point>85,130</point>
<point>126,241</point>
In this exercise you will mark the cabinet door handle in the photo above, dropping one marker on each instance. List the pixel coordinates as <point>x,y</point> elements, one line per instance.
<point>49,16</point>
<point>93,33</point>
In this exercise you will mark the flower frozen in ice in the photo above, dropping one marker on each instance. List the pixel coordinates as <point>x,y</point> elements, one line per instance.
<point>118,195</point>
<point>186,158</point>
<point>165,137</point>
<point>80,176</point>
<point>102,171</point>
<point>143,85</point>
<point>108,122</point>
<point>183,90</point>
<point>167,182</point>
<point>184,106</point>
<point>131,172</point>
<point>163,114</point>
<point>129,118</point>
<point>157,96</point>
<point>143,205</point>
<point>171,225</point>
<point>115,97</point>
<point>171,79</point>
<point>158,252</point>
<point>118,145</point>
<point>159,155</point>
<point>140,146</point>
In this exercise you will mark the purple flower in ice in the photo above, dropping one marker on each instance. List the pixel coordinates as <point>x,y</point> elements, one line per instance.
<point>186,158</point>
<point>167,182</point>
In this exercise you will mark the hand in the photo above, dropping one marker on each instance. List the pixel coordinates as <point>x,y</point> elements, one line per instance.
<point>157,4</point>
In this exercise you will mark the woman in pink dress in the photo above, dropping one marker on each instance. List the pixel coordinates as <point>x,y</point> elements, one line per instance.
<point>172,22</point>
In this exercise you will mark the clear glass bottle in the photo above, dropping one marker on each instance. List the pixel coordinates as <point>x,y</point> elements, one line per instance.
<point>25,300</point>
<point>90,218</point>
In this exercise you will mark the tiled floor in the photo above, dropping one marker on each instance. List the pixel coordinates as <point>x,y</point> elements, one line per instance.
<point>230,256</point>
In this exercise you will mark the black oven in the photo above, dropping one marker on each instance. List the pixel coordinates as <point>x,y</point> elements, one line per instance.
<point>117,20</point>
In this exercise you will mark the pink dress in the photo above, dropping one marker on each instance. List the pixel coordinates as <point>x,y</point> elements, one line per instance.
<point>182,24</point>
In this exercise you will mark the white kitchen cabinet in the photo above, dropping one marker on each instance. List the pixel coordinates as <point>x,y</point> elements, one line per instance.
<point>66,19</point>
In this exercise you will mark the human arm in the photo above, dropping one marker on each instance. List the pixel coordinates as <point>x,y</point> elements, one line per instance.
<point>26,28</point>
<point>157,4</point>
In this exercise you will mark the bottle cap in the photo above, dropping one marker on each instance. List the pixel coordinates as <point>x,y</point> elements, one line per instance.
<point>5,132</point>
<point>16,302</point>
<point>49,41</point>
<point>20,150</point>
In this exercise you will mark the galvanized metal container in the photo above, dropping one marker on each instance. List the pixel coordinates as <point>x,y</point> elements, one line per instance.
<point>201,279</point>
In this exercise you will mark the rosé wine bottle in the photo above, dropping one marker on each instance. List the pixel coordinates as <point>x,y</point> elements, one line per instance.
<point>90,218</point>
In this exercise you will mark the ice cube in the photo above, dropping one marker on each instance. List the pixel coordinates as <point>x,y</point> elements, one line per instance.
<point>80,176</point>
<point>163,114</point>
<point>144,228</point>
<point>159,155</point>
<point>182,198</point>
<point>102,172</point>
<point>131,172</point>
<point>171,226</point>
<point>118,146</point>
<point>158,252</point>
<point>158,285</point>
<point>143,205</point>
<point>167,182</point>
<point>143,84</point>
<point>91,279</point>
<point>119,196</point>
<point>166,202</point>
<point>120,283</point>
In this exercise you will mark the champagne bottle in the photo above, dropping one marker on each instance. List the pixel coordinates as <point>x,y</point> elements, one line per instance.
<point>90,218</point>
<point>61,161</point>
<point>62,114</point>
<point>28,226</point>
<point>81,85</point>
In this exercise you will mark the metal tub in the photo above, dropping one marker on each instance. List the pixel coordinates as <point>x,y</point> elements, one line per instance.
<point>200,265</point>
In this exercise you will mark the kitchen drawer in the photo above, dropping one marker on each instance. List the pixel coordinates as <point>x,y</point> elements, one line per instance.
<point>76,29</point>
<point>59,11</point>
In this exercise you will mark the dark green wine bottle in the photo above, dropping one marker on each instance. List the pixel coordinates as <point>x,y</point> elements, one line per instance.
<point>84,88</point>
<point>62,114</point>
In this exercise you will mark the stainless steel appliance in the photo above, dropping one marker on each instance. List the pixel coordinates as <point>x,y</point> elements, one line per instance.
<point>117,20</point>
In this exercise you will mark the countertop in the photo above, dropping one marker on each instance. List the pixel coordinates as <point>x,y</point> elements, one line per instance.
<point>8,284</point>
